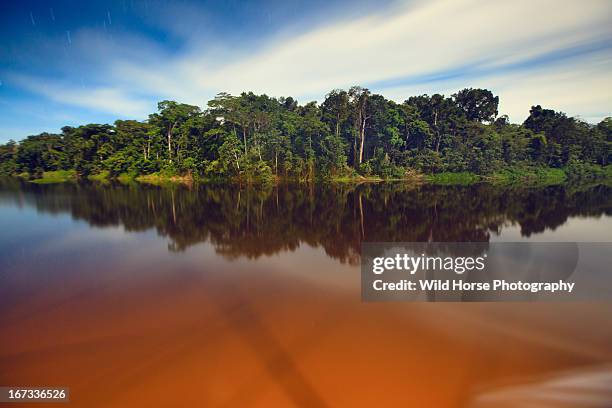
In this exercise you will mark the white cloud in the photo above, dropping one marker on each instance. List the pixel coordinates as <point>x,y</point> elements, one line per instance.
<point>409,40</point>
<point>104,99</point>
<point>581,88</point>
<point>431,37</point>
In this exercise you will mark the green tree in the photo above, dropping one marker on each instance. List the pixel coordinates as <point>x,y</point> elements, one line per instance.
<point>477,104</point>
<point>167,121</point>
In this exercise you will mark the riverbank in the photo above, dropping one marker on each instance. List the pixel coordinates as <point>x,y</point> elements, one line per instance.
<point>529,176</point>
<point>52,177</point>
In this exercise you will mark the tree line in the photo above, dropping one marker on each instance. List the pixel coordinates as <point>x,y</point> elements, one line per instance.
<point>351,133</point>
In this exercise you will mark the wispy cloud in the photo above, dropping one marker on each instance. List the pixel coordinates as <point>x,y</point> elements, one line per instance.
<point>111,99</point>
<point>431,37</point>
<point>579,87</point>
<point>528,52</point>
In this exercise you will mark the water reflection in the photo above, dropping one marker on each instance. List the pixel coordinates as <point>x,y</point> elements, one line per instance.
<point>255,221</point>
<point>103,289</point>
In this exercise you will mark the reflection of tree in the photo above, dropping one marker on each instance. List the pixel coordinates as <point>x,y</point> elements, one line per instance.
<point>255,221</point>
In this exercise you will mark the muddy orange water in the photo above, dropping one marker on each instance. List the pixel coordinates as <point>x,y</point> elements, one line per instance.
<point>137,296</point>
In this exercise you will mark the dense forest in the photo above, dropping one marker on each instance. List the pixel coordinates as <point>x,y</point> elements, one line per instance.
<point>350,134</point>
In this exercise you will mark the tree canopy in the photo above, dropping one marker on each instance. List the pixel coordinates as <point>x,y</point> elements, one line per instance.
<point>350,133</point>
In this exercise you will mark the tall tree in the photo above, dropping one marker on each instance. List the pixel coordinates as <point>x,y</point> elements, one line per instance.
<point>359,100</point>
<point>170,116</point>
<point>477,104</point>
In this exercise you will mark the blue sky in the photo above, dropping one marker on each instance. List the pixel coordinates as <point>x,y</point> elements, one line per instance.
<point>70,63</point>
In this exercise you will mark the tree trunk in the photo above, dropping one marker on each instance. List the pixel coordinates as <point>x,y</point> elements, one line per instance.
<point>170,129</point>
<point>276,161</point>
<point>244,138</point>
<point>237,163</point>
<point>357,135</point>
<point>337,125</point>
<point>362,137</point>
<point>437,131</point>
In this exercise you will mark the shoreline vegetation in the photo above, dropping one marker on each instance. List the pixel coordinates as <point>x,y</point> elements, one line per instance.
<point>529,177</point>
<point>353,136</point>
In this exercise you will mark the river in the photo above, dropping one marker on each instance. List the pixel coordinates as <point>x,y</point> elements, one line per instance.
<point>134,295</point>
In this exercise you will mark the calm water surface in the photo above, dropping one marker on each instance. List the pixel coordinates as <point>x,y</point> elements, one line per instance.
<point>228,296</point>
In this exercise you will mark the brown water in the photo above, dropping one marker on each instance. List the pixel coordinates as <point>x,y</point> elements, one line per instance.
<point>237,297</point>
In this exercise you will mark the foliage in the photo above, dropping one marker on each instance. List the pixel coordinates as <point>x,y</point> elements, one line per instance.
<point>579,170</point>
<point>463,178</point>
<point>351,134</point>
<point>57,176</point>
<point>529,175</point>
